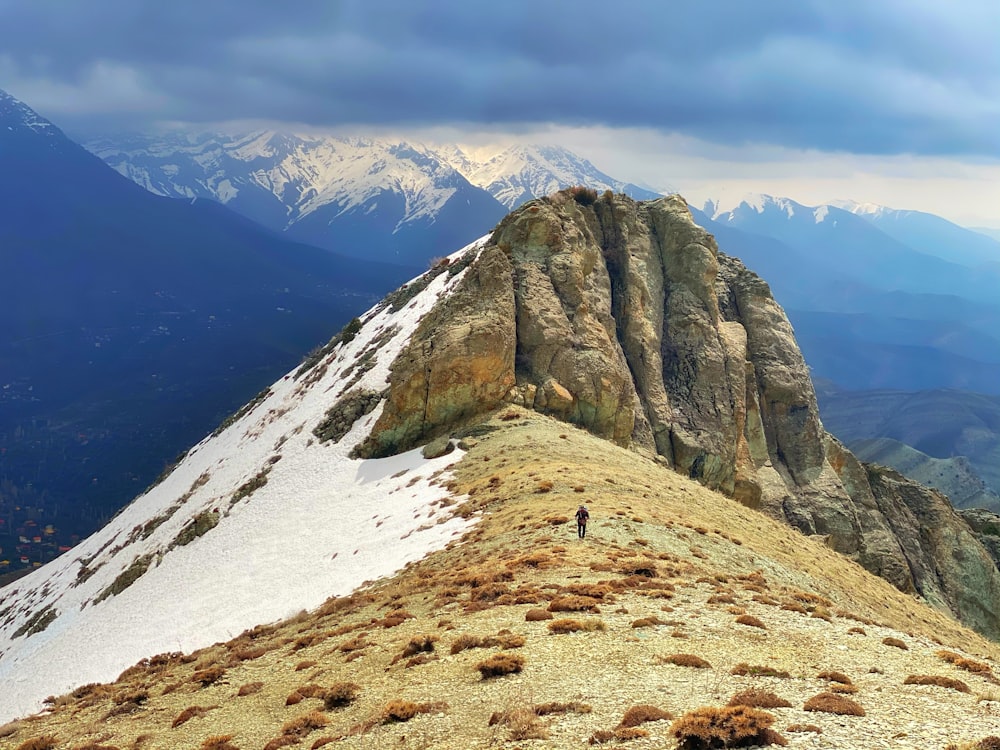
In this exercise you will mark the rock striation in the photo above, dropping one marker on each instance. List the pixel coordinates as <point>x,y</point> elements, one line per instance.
<point>625,319</point>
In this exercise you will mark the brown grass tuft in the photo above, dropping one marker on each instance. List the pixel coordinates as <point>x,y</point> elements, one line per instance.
<point>250,688</point>
<point>208,676</point>
<point>730,726</point>
<point>643,713</point>
<point>804,728</point>
<point>559,627</point>
<point>340,694</point>
<point>757,698</point>
<point>647,622</point>
<point>302,725</point>
<point>840,677</point>
<point>500,664</point>
<point>45,742</point>
<point>219,742</point>
<point>188,713</point>
<point>621,734</point>
<point>684,660</point>
<point>756,670</point>
<point>574,604</point>
<point>751,621</point>
<point>535,615</point>
<point>522,723</point>
<point>896,643</point>
<point>396,711</point>
<point>831,703</point>
<point>929,679</point>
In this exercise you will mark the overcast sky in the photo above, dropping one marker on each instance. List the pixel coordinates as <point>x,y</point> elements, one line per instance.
<point>891,101</point>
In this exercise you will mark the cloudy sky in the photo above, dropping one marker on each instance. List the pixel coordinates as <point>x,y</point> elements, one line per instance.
<point>889,101</point>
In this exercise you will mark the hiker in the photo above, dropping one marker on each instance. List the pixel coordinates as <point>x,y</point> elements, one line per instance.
<point>582,516</point>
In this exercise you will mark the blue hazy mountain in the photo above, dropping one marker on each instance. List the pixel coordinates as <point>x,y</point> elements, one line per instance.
<point>133,323</point>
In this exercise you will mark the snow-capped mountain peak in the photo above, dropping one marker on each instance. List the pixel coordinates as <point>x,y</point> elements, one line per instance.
<point>15,115</point>
<point>726,208</point>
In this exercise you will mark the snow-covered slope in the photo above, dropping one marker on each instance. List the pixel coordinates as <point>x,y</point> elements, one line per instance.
<point>258,521</point>
<point>520,173</point>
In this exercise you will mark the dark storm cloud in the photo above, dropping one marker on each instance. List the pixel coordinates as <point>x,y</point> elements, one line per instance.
<point>871,77</point>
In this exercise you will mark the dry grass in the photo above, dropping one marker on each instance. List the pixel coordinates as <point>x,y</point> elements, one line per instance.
<point>536,615</point>
<point>642,714</point>
<point>250,688</point>
<point>758,670</point>
<point>751,621</point>
<point>730,726</point>
<point>219,742</point>
<point>500,664</point>
<point>840,677</point>
<point>684,660</point>
<point>620,734</point>
<point>929,679</point>
<point>831,703</point>
<point>895,643</point>
<point>757,698</point>
<point>563,626</point>
<point>189,713</point>
<point>45,742</point>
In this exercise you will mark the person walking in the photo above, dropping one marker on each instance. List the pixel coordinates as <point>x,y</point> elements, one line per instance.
<point>582,516</point>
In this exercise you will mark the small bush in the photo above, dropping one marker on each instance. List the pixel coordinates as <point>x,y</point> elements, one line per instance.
<point>647,622</point>
<point>945,682</point>
<point>208,676</point>
<point>840,677</point>
<point>500,664</point>
<point>523,724</point>
<point>641,714</point>
<point>730,726</point>
<point>302,725</point>
<point>189,713</point>
<point>535,615</point>
<point>397,711</point>
<point>756,670</point>
<point>856,630</point>
<point>620,734</point>
<point>545,709</point>
<point>895,642</point>
<point>45,742</point>
<point>583,195</point>
<point>831,703</point>
<point>561,627</point>
<point>250,688</point>
<point>574,604</point>
<point>340,694</point>
<point>757,698</point>
<point>219,742</point>
<point>804,728</point>
<point>969,665</point>
<point>751,621</point>
<point>684,660</point>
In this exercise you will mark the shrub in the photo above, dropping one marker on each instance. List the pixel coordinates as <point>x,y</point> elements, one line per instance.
<point>302,725</point>
<point>305,664</point>
<point>831,703</point>
<point>574,604</point>
<point>647,622</point>
<point>641,714</point>
<point>190,712</point>
<point>504,640</point>
<point>560,627</point>
<point>730,726</point>
<point>969,665</point>
<point>45,742</point>
<point>208,676</point>
<point>751,621</point>
<point>840,677</point>
<point>534,615</point>
<point>500,664</point>
<point>250,688</point>
<point>399,710</point>
<point>756,670</point>
<point>574,707</point>
<point>523,724</point>
<point>757,698</point>
<point>803,728</point>
<point>857,630</point>
<point>684,660</point>
<point>620,734</point>
<point>583,195</point>
<point>927,679</point>
<point>219,742</point>
<point>340,694</point>
<point>895,642</point>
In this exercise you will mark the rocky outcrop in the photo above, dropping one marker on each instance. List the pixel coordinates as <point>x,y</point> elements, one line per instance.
<point>624,318</point>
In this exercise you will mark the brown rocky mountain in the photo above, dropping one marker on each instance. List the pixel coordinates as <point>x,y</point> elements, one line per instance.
<point>624,318</point>
<point>601,350</point>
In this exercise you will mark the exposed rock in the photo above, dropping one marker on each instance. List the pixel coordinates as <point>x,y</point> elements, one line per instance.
<point>625,319</point>
<point>437,447</point>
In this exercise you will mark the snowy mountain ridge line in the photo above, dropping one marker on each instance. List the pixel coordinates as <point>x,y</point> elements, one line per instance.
<point>296,521</point>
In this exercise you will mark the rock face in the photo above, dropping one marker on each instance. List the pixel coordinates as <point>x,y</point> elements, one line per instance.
<point>624,318</point>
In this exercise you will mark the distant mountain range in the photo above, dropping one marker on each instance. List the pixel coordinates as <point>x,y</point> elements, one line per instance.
<point>363,197</point>
<point>879,298</point>
<point>132,324</point>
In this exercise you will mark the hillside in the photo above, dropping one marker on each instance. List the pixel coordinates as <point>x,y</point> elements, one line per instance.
<point>592,348</point>
<point>669,566</point>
